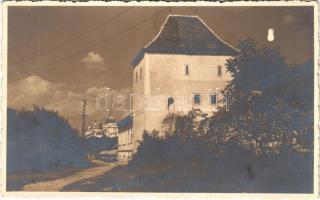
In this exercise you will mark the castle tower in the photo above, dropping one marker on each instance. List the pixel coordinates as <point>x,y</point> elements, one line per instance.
<point>184,63</point>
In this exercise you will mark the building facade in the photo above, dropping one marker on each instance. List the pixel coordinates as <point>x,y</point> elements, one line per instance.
<point>98,129</point>
<point>94,130</point>
<point>181,69</point>
<point>125,139</point>
<point>110,129</point>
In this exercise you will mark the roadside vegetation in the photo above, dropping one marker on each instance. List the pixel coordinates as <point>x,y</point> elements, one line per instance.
<point>41,145</point>
<point>40,140</point>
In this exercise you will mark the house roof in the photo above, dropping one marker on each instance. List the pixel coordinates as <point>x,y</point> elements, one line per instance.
<point>187,35</point>
<point>125,123</point>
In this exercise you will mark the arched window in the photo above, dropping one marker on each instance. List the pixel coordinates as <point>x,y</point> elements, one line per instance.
<point>170,102</point>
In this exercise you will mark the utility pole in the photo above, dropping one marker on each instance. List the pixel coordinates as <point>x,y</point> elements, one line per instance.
<point>83,118</point>
<point>110,102</point>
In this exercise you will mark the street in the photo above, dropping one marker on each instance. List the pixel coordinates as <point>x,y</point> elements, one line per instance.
<point>99,169</point>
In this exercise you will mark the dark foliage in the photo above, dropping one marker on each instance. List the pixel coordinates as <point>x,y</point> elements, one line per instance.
<point>270,102</point>
<point>41,141</point>
<point>177,165</point>
<point>95,145</point>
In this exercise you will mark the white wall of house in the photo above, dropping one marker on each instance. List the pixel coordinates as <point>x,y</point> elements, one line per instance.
<point>125,145</point>
<point>166,73</point>
<point>138,93</point>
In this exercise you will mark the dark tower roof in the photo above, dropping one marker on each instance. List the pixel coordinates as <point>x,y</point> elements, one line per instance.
<point>187,35</point>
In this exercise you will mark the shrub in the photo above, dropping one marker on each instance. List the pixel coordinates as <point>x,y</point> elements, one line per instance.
<point>40,141</point>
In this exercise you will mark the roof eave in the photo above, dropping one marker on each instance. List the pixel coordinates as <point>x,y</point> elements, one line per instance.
<point>137,59</point>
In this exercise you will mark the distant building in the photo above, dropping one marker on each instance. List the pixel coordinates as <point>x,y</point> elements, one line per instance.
<point>110,130</point>
<point>98,129</point>
<point>125,139</point>
<point>185,64</point>
<point>110,127</point>
<point>89,132</point>
<point>94,130</point>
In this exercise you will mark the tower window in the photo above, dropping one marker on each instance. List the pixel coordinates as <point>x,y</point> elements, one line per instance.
<point>140,73</point>
<point>197,99</point>
<point>213,99</point>
<point>219,70</point>
<point>136,77</point>
<point>187,70</point>
<point>170,102</point>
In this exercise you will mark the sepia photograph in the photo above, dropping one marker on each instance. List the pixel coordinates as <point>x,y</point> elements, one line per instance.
<point>160,98</point>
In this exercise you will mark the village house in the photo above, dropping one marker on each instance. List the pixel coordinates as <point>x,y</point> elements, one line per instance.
<point>179,70</point>
<point>125,142</point>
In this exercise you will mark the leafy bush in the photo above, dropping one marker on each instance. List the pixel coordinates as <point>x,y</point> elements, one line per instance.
<point>270,102</point>
<point>178,164</point>
<point>40,141</point>
<point>95,145</point>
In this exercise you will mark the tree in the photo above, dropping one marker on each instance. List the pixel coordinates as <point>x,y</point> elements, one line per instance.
<point>267,111</point>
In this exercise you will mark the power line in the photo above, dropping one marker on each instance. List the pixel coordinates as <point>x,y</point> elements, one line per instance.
<point>16,54</point>
<point>72,39</point>
<point>98,43</point>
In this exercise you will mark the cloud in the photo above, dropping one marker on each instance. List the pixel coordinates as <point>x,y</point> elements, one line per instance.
<point>34,90</point>
<point>94,61</point>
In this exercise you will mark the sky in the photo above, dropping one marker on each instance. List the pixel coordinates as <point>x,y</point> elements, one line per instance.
<point>57,56</point>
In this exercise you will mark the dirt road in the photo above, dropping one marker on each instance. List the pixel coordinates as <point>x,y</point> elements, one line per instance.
<point>56,185</point>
